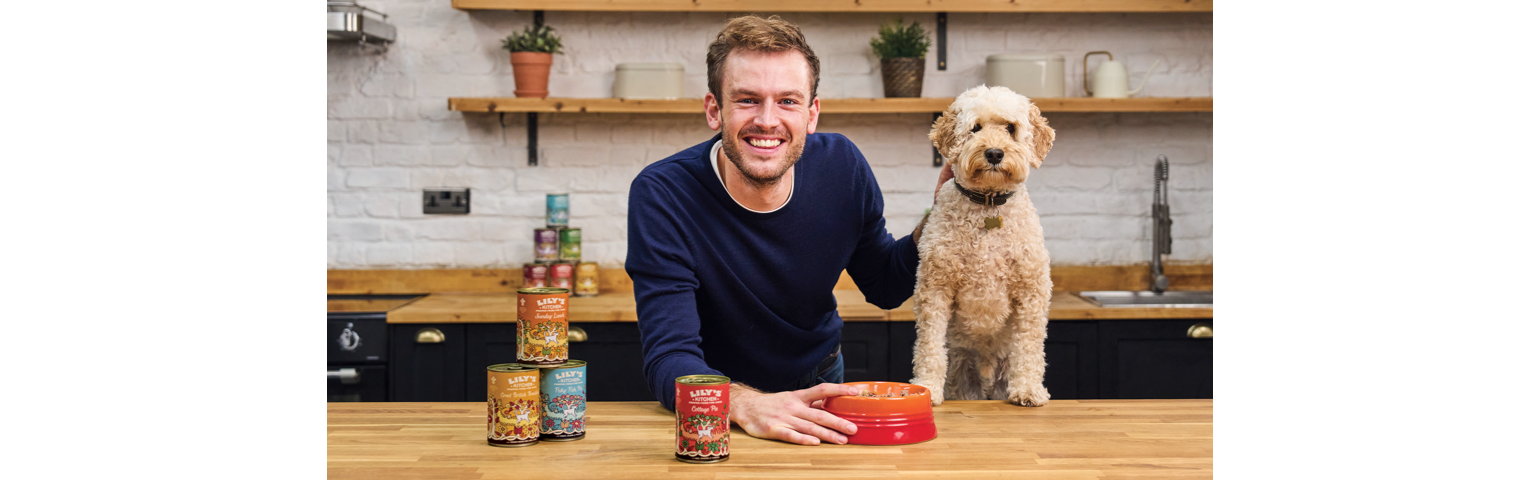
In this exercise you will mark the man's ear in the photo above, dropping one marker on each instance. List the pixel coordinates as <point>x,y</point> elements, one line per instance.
<point>1042,136</point>
<point>943,132</point>
<point>812,115</point>
<point>713,112</point>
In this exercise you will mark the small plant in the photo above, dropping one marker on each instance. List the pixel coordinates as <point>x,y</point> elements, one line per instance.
<point>894,40</point>
<point>540,40</point>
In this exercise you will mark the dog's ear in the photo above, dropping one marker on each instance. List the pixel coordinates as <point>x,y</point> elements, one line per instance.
<point>1042,136</point>
<point>943,133</point>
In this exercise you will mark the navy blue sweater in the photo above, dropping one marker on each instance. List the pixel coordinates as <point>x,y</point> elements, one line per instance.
<point>722,290</point>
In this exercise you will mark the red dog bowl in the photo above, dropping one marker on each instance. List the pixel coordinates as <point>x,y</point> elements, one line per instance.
<point>896,420</point>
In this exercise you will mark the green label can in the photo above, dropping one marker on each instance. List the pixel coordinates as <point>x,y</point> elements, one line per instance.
<point>564,399</point>
<point>572,245</point>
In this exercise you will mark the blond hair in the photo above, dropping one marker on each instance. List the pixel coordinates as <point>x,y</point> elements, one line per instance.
<point>770,35</point>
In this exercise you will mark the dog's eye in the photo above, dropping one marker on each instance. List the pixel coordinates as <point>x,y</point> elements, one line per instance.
<point>1011,127</point>
<point>977,127</point>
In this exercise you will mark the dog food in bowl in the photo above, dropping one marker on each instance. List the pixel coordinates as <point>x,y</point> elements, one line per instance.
<point>886,413</point>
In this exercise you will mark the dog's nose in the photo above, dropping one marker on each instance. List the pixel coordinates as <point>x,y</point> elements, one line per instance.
<point>994,155</point>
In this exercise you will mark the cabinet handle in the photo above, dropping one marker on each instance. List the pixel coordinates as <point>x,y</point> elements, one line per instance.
<point>430,335</point>
<point>1200,330</point>
<point>348,376</point>
<point>576,334</point>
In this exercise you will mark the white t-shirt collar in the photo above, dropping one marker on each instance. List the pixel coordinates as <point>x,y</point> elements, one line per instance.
<point>715,151</point>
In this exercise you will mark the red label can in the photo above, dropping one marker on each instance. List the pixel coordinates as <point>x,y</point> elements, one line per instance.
<point>700,418</point>
<point>536,275</point>
<point>561,275</point>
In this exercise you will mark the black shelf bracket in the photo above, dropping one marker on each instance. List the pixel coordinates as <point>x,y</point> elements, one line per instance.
<point>941,41</point>
<point>534,119</point>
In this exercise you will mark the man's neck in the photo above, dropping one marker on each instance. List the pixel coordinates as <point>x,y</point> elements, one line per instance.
<point>750,195</point>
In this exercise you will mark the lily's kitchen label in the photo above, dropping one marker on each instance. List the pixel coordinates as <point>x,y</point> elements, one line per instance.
<point>513,405</point>
<point>564,398</point>
<point>700,414</point>
<point>542,326</point>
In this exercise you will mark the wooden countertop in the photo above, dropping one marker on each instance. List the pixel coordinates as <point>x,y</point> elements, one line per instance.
<point>621,307</point>
<point>1069,439</point>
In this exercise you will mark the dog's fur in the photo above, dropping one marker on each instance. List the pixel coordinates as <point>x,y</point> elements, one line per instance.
<point>981,299</point>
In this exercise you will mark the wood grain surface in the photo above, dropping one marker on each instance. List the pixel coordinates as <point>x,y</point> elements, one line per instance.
<point>1067,439</point>
<point>621,307</point>
<point>843,5</point>
<point>826,105</point>
<point>1072,278</point>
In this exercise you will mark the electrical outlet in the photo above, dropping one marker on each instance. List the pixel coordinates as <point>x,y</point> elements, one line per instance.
<point>446,200</point>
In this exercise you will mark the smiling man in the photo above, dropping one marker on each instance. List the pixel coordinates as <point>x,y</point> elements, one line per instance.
<point>736,243</point>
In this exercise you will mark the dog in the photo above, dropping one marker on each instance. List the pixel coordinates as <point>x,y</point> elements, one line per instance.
<point>982,290</point>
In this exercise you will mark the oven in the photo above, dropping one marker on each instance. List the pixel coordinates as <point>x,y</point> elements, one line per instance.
<point>357,345</point>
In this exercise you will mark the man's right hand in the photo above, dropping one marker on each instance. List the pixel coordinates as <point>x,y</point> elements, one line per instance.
<point>790,416</point>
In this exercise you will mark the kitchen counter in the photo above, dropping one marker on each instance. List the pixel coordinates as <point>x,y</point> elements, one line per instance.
<point>1084,439</point>
<point>621,307</point>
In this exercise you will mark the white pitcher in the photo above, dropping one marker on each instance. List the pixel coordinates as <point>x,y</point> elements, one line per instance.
<point>1111,79</point>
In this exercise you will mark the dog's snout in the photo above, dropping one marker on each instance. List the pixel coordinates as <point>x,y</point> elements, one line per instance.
<point>994,155</point>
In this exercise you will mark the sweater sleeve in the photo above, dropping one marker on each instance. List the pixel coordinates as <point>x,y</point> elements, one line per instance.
<point>662,271</point>
<point>883,268</point>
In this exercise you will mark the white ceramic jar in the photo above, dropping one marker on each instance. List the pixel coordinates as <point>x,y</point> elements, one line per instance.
<point>649,80</point>
<point>1035,75</point>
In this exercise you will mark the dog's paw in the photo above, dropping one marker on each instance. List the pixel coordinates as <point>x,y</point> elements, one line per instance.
<point>935,391</point>
<point>1033,396</point>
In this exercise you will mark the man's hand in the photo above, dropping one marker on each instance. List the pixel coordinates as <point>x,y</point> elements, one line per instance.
<point>790,416</point>
<point>946,174</point>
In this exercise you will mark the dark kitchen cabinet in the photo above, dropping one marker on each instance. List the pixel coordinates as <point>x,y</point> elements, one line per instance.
<point>427,362</point>
<point>1155,359</point>
<point>865,347</point>
<point>613,352</point>
<point>1071,352</point>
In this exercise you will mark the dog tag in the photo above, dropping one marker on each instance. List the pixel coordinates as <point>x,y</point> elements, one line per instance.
<point>992,222</point>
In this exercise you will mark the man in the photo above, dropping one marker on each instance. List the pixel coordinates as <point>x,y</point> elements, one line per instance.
<point>736,243</point>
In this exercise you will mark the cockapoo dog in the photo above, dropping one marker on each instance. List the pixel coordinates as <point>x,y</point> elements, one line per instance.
<point>981,299</point>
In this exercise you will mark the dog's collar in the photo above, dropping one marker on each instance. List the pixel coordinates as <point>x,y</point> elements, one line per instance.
<point>989,199</point>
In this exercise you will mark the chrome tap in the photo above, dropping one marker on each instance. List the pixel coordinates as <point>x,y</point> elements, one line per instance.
<point>1161,233</point>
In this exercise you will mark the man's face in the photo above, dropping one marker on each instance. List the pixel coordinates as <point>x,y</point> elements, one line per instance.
<point>766,113</point>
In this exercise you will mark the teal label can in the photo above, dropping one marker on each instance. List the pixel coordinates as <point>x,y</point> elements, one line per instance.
<point>556,214</point>
<point>564,401</point>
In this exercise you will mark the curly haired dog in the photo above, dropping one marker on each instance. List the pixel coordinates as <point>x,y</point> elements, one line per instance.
<point>981,298</point>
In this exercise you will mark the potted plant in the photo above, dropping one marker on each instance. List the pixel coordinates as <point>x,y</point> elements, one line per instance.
<point>531,53</point>
<point>902,50</point>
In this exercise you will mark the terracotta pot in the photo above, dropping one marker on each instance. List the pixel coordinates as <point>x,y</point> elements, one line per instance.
<point>903,77</point>
<point>531,74</point>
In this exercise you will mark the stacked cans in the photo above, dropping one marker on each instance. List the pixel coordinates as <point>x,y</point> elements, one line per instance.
<point>545,395</point>
<point>559,250</point>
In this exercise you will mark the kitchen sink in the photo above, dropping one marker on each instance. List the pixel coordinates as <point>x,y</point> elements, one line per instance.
<point>1115,299</point>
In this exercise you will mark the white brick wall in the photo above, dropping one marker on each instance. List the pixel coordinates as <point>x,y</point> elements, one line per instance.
<point>390,134</point>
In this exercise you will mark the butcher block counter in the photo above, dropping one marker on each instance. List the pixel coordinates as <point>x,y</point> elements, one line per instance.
<point>621,307</point>
<point>1067,439</point>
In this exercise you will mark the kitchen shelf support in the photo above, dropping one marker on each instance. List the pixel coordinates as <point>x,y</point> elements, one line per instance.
<point>941,41</point>
<point>534,139</point>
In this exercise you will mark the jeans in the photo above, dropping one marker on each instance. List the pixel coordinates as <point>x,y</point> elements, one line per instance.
<point>825,372</point>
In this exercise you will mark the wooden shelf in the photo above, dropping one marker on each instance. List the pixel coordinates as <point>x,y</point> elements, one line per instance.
<point>843,5</point>
<point>829,105</point>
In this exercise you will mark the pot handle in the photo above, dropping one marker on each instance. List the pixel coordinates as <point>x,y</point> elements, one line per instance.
<point>1085,79</point>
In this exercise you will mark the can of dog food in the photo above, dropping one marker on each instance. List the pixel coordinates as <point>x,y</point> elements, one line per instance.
<point>700,418</point>
<point>564,399</point>
<point>513,405</point>
<point>572,245</point>
<point>587,282</point>
<point>546,245</point>
<point>561,275</point>
<point>542,326</point>
<point>556,214</point>
<point>536,275</point>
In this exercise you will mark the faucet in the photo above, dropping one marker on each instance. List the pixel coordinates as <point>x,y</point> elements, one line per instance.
<point>1161,233</point>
